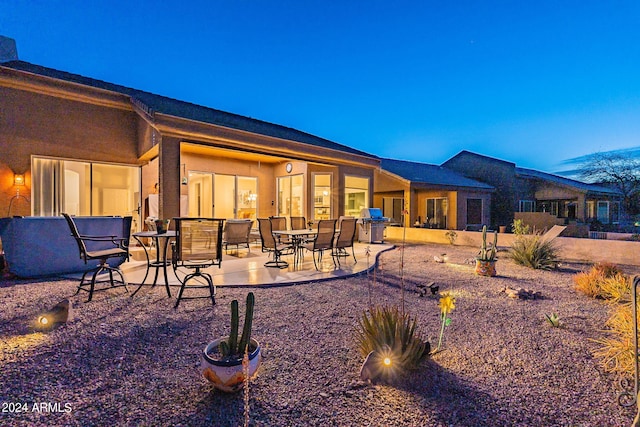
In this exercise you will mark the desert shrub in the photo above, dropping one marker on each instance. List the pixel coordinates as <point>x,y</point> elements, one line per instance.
<point>531,251</point>
<point>605,281</point>
<point>387,331</point>
<point>607,269</point>
<point>616,351</point>
<point>519,228</point>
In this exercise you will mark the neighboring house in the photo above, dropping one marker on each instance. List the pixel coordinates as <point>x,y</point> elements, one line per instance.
<point>527,190</point>
<point>88,147</point>
<point>434,196</point>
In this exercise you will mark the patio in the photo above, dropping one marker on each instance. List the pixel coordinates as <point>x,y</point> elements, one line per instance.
<point>242,267</point>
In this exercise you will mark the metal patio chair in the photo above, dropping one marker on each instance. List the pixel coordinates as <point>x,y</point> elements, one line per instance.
<point>106,247</point>
<point>271,244</point>
<point>344,239</point>
<point>198,245</point>
<point>323,241</point>
<point>236,233</point>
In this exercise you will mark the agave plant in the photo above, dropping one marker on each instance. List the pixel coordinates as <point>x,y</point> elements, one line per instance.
<point>531,251</point>
<point>392,335</point>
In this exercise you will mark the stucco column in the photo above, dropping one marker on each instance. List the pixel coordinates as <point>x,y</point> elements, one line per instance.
<point>169,177</point>
<point>411,206</point>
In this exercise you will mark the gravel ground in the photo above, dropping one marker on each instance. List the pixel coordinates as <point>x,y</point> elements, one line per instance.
<point>134,361</point>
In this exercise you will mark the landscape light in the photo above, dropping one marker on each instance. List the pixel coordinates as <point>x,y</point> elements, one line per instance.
<point>60,313</point>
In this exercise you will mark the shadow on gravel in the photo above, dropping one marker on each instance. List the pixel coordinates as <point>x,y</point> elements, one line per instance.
<point>448,398</point>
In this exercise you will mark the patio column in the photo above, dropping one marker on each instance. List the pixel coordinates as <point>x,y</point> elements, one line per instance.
<point>169,177</point>
<point>411,206</point>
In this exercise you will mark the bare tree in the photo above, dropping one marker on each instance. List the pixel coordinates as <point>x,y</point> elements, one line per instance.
<point>620,169</point>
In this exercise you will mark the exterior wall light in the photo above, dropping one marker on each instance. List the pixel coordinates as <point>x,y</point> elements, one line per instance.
<point>18,179</point>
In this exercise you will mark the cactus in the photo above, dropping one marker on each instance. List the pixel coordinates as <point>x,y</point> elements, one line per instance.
<point>248,321</point>
<point>488,254</point>
<point>235,321</point>
<point>231,347</point>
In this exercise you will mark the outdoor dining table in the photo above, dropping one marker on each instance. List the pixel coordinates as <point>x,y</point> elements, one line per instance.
<point>161,261</point>
<point>297,241</point>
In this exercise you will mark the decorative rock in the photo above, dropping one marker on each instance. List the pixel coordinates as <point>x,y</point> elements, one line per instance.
<point>522,293</point>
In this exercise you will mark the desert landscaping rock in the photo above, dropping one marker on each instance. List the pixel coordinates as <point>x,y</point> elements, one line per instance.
<point>134,361</point>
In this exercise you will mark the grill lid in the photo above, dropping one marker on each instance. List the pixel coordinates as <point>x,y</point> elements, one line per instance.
<point>372,214</point>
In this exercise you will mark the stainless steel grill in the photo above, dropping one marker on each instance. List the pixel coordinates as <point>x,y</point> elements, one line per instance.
<point>371,225</point>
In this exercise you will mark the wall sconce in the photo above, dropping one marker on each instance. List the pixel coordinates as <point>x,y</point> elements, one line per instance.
<point>18,181</point>
<point>184,174</point>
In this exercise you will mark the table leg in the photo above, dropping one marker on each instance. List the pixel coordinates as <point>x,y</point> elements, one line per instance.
<point>146,254</point>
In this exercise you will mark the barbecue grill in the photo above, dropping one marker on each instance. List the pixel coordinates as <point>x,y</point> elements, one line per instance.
<point>371,225</point>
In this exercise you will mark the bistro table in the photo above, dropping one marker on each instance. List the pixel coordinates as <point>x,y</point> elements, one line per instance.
<point>160,261</point>
<point>297,240</point>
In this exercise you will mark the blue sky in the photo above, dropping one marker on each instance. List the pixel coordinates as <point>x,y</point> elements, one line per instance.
<point>534,82</point>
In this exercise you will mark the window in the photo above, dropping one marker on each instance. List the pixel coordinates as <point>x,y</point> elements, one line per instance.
<point>437,212</point>
<point>321,196</point>
<point>527,206</point>
<point>591,209</point>
<point>84,188</point>
<point>615,212</point>
<point>550,207</point>
<point>356,195</point>
<point>603,212</point>
<point>290,191</point>
<point>474,211</point>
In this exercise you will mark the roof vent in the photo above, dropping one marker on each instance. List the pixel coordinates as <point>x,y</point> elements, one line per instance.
<point>8,50</point>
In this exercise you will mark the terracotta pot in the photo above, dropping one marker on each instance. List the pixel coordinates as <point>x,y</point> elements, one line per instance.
<point>485,268</point>
<point>227,375</point>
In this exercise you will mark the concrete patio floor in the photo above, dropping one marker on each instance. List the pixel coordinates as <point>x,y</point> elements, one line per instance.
<point>246,268</point>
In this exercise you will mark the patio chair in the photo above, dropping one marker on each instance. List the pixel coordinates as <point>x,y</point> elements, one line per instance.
<point>105,247</point>
<point>323,240</point>
<point>198,245</point>
<point>236,232</point>
<point>345,238</point>
<point>298,223</point>
<point>270,244</point>
<point>280,223</point>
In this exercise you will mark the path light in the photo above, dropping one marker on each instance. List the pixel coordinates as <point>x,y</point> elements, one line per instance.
<point>378,364</point>
<point>60,313</point>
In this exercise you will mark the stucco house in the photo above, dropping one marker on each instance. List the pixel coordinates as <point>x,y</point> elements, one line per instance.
<point>521,190</point>
<point>87,147</point>
<point>434,196</point>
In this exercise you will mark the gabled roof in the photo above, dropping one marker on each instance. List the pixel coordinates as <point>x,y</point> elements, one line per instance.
<point>431,174</point>
<point>466,153</point>
<point>186,110</point>
<point>566,182</point>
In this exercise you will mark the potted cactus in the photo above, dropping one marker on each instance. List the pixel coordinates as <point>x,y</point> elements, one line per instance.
<point>486,259</point>
<point>222,358</point>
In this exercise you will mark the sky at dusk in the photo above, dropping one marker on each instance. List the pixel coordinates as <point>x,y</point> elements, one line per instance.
<point>536,83</point>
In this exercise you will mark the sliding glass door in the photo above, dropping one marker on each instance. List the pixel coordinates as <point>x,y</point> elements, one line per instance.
<point>222,196</point>
<point>85,189</point>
